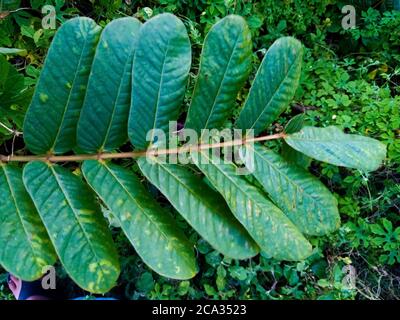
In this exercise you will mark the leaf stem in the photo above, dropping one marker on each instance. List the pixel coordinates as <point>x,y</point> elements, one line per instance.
<point>136,154</point>
<point>7,128</point>
<point>15,132</point>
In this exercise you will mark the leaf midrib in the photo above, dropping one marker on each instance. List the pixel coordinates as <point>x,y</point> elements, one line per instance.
<point>76,218</point>
<point>306,139</point>
<point>194,194</point>
<point>137,204</point>
<point>87,40</point>
<point>287,178</point>
<point>182,257</point>
<point>127,63</point>
<point>220,84</point>
<point>274,94</point>
<point>249,224</point>
<point>157,106</point>
<point>230,179</point>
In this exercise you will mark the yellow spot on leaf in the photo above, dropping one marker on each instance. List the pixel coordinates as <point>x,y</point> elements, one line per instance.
<point>93,267</point>
<point>43,97</point>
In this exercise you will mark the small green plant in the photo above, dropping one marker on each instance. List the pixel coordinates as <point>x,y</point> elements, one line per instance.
<point>100,87</point>
<point>380,237</point>
<point>15,96</point>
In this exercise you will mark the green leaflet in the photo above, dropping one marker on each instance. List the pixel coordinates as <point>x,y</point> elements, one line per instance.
<point>274,86</point>
<point>288,153</point>
<point>10,82</point>
<point>12,88</point>
<point>295,124</point>
<point>50,123</point>
<point>294,157</point>
<point>224,67</point>
<point>150,229</point>
<point>300,195</point>
<point>103,121</point>
<point>333,146</point>
<point>75,225</point>
<point>25,248</point>
<point>203,208</point>
<point>161,67</point>
<point>276,235</point>
<point>6,5</point>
